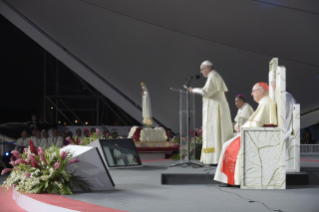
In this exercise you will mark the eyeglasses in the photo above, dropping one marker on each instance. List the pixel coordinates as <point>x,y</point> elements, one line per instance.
<point>255,90</point>
<point>202,69</point>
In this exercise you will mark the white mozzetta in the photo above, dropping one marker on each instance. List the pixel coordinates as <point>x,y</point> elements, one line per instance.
<point>293,145</point>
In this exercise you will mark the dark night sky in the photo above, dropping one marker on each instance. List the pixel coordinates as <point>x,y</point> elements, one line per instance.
<point>21,74</point>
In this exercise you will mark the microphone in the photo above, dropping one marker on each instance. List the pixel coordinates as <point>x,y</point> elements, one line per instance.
<point>193,77</point>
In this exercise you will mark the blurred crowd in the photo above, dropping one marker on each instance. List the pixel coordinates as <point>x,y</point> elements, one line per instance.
<point>44,135</point>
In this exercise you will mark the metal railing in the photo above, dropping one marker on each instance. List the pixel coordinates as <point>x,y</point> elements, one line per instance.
<point>309,149</point>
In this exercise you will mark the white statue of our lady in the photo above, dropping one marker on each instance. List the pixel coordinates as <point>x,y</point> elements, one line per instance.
<point>146,106</point>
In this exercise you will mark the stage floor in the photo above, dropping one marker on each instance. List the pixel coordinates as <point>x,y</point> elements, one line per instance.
<point>140,189</point>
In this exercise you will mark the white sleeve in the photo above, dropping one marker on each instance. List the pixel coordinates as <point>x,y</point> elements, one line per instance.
<point>198,91</point>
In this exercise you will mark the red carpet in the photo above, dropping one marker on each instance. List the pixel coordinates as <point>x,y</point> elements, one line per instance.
<point>7,203</point>
<point>309,160</point>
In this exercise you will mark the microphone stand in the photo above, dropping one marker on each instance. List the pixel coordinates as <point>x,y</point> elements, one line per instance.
<point>188,162</point>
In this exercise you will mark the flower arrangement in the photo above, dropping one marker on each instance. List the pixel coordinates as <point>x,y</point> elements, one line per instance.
<point>195,146</point>
<point>43,171</point>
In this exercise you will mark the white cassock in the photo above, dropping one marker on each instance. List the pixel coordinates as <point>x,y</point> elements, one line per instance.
<point>146,107</point>
<point>217,124</point>
<point>265,114</point>
<point>36,141</point>
<point>22,142</point>
<point>245,112</point>
<point>44,142</point>
<point>57,141</point>
<point>118,155</point>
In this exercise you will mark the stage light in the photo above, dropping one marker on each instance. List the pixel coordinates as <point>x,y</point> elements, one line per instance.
<point>51,108</point>
<point>76,121</point>
<point>59,122</point>
<point>64,123</point>
<point>86,123</point>
<point>7,153</point>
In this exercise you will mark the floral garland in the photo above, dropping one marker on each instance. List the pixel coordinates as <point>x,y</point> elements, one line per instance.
<point>43,171</point>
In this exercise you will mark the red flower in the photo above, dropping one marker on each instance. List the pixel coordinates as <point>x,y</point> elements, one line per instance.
<point>137,134</point>
<point>5,171</point>
<point>192,133</point>
<point>40,150</point>
<point>35,165</point>
<point>57,165</point>
<point>69,140</point>
<point>73,160</point>
<point>27,174</point>
<point>97,132</point>
<point>64,155</point>
<point>43,158</point>
<point>16,154</point>
<point>12,160</point>
<point>33,149</point>
<point>86,131</point>
<point>20,160</point>
<point>77,141</point>
<point>90,134</point>
<point>33,158</point>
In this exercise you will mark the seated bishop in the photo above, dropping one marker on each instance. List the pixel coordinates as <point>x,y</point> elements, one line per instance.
<point>228,169</point>
<point>244,111</point>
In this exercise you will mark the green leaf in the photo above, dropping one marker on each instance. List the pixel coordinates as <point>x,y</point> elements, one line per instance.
<point>55,189</point>
<point>46,184</point>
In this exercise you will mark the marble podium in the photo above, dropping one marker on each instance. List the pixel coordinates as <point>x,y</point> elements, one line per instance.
<point>263,150</point>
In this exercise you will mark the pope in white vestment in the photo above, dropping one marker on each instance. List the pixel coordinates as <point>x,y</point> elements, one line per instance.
<point>118,155</point>
<point>217,125</point>
<point>265,115</point>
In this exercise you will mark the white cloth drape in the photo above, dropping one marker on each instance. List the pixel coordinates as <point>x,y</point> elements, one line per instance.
<point>217,125</point>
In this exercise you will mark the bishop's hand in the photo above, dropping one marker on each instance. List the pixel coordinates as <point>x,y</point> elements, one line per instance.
<point>190,89</point>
